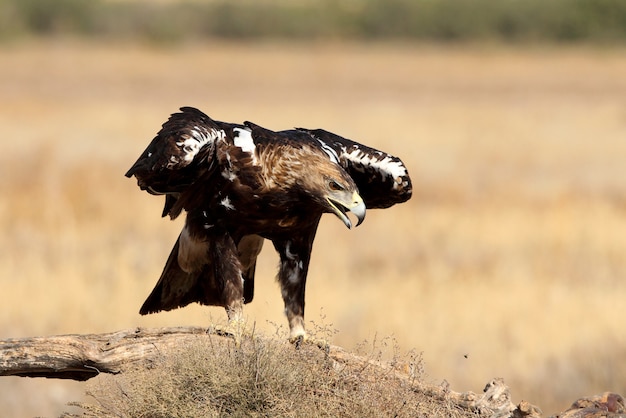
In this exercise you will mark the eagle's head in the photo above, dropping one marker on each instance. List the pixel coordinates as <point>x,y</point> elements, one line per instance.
<point>336,192</point>
<point>342,198</point>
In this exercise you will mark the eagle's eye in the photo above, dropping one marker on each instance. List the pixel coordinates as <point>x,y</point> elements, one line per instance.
<point>333,185</point>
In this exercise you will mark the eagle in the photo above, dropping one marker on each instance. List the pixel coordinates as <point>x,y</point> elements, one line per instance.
<point>241,184</point>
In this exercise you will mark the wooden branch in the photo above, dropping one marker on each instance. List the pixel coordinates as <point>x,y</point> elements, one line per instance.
<point>81,357</point>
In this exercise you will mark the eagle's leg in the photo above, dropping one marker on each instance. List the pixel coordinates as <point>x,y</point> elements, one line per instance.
<point>235,328</point>
<point>228,269</point>
<point>294,263</point>
<point>295,254</point>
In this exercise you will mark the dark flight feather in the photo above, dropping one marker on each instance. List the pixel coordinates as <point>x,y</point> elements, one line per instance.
<point>382,178</point>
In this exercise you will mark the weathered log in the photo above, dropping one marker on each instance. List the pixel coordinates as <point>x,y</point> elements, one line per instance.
<point>81,357</point>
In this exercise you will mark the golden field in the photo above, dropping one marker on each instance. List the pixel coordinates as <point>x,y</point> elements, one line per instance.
<point>509,261</point>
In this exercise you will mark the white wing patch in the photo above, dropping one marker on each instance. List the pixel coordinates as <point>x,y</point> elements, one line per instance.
<point>244,140</point>
<point>332,154</point>
<point>227,171</point>
<point>192,144</point>
<point>228,175</point>
<point>227,203</point>
<point>387,166</point>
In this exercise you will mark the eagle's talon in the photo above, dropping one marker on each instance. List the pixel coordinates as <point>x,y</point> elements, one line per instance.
<point>234,330</point>
<point>297,342</point>
<point>322,345</point>
<point>302,339</point>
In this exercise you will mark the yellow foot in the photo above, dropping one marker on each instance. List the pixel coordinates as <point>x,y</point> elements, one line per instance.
<point>298,340</point>
<point>234,329</point>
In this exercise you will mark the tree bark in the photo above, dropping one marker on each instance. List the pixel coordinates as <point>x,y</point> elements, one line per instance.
<point>81,357</point>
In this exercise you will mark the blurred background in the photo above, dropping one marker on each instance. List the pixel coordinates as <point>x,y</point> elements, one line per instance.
<point>509,261</point>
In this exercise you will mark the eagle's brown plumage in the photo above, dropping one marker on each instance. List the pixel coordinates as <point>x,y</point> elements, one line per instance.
<point>241,184</point>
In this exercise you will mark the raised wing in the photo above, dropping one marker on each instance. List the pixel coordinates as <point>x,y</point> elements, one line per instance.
<point>382,179</point>
<point>182,151</point>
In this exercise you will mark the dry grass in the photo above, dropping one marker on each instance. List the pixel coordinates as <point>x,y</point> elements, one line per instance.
<point>264,377</point>
<point>509,261</point>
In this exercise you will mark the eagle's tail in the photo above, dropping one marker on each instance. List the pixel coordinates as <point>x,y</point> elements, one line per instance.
<point>177,288</point>
<point>248,249</point>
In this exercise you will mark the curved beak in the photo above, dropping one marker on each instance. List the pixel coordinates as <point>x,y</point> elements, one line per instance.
<point>356,206</point>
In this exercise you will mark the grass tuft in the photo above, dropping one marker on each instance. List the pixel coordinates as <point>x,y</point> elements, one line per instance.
<point>264,377</point>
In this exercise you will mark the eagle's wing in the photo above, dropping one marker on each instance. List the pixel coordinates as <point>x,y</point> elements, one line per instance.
<point>382,179</point>
<point>182,151</point>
